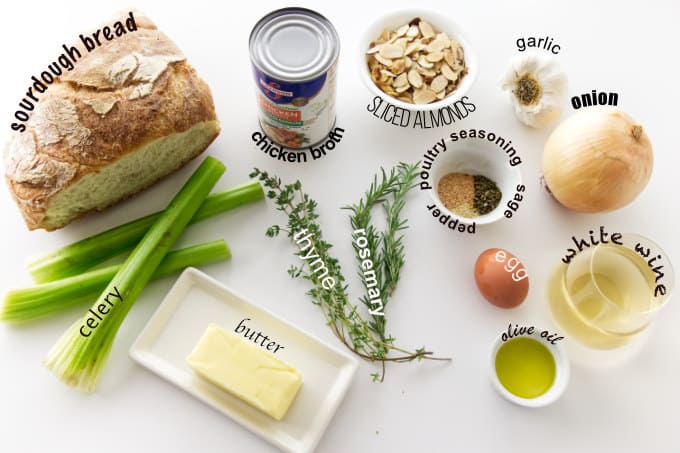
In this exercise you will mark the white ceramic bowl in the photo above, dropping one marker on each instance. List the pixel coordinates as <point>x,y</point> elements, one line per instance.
<point>476,157</point>
<point>439,21</point>
<point>562,373</point>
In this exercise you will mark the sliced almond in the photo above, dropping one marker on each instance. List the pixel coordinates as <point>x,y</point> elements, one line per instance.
<point>400,81</point>
<point>401,42</point>
<point>439,83</point>
<point>426,29</point>
<point>398,66</point>
<point>374,49</point>
<point>411,48</point>
<point>384,36</point>
<point>435,46</point>
<point>444,39</point>
<point>382,60</point>
<point>403,88</point>
<point>441,95</point>
<point>448,57</point>
<point>408,62</point>
<point>412,31</point>
<point>424,95</point>
<point>391,51</point>
<point>423,61</point>
<point>448,72</point>
<point>427,73</point>
<point>416,46</point>
<point>434,56</point>
<point>401,31</point>
<point>387,73</point>
<point>415,79</point>
<point>459,54</point>
<point>440,43</point>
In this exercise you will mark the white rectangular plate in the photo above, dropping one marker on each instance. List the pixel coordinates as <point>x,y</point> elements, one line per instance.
<point>197,300</point>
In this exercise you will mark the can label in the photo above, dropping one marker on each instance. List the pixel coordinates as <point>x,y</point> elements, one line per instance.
<point>296,114</point>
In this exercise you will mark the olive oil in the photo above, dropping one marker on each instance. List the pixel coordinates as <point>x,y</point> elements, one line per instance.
<point>604,297</point>
<point>525,367</point>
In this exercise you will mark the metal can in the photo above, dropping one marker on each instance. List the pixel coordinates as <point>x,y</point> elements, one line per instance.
<point>294,52</point>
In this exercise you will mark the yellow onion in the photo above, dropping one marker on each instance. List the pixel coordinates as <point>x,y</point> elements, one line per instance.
<point>597,160</point>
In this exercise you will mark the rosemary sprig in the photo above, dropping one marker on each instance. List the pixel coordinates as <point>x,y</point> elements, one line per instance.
<point>387,248</point>
<point>365,338</point>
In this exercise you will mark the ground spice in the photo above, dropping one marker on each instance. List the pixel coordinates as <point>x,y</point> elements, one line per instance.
<point>468,195</point>
<point>487,195</point>
<point>457,192</point>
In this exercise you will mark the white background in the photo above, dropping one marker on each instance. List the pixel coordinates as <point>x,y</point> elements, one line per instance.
<point>631,407</point>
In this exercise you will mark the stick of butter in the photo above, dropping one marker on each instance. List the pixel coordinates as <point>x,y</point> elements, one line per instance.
<point>245,371</point>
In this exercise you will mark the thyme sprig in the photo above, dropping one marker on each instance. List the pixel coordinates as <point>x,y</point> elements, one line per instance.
<point>364,337</point>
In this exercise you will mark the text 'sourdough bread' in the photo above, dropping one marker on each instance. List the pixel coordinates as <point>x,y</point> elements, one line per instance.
<point>129,113</point>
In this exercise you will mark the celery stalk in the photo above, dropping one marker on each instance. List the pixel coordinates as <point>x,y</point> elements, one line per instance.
<point>27,304</point>
<point>80,354</point>
<point>80,256</point>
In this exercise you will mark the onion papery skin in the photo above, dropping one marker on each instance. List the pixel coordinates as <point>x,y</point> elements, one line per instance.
<point>597,160</point>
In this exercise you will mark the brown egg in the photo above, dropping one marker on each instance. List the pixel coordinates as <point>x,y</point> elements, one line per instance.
<point>501,278</point>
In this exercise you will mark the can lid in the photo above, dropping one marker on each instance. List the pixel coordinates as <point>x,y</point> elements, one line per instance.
<point>294,44</point>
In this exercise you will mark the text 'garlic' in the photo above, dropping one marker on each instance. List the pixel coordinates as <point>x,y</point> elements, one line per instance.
<point>537,87</point>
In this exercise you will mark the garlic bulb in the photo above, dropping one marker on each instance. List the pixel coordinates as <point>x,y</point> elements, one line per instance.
<point>537,87</point>
<point>597,160</point>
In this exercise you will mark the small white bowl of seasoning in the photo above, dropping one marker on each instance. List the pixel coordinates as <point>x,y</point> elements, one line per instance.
<point>529,369</point>
<point>475,181</point>
<point>455,71</point>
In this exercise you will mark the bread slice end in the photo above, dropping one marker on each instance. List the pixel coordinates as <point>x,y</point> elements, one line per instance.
<point>129,174</point>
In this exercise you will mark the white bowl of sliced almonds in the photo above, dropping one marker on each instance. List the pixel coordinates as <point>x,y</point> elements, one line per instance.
<point>417,60</point>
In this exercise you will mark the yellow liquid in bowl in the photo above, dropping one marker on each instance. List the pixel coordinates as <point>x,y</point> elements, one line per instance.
<point>614,314</point>
<point>525,367</point>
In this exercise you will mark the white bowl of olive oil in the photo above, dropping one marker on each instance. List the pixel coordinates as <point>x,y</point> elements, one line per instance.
<point>529,369</point>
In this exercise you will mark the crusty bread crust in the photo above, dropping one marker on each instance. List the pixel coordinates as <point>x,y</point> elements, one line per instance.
<point>127,93</point>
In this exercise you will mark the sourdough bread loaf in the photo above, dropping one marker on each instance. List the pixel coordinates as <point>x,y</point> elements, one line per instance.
<point>129,113</point>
